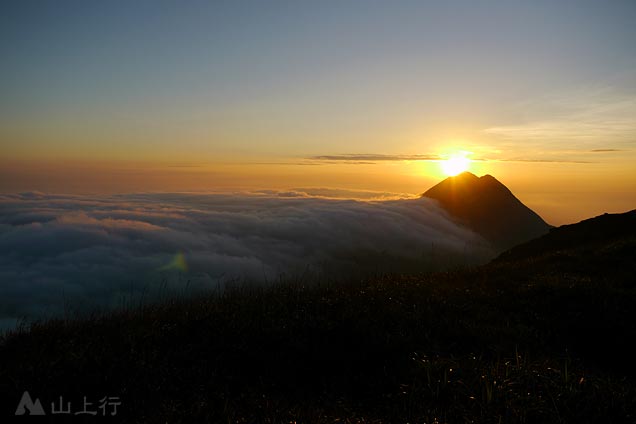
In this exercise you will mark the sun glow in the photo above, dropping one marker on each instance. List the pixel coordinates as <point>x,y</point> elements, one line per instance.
<point>455,165</point>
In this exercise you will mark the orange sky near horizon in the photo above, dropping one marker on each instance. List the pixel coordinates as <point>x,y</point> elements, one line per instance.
<point>560,192</point>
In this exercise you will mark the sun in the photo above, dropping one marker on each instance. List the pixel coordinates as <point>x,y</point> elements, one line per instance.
<point>455,165</point>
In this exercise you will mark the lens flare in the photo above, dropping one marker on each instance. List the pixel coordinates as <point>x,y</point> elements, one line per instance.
<point>178,263</point>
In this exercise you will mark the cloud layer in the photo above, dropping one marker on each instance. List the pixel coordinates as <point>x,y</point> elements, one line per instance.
<point>59,252</point>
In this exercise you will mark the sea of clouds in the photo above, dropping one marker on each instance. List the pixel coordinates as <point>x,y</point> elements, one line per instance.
<point>63,252</point>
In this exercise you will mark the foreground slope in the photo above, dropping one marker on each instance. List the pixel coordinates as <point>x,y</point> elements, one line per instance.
<point>489,208</point>
<point>529,338</point>
<point>607,234</point>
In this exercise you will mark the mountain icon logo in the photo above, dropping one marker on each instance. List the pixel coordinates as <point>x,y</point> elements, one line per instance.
<point>28,407</point>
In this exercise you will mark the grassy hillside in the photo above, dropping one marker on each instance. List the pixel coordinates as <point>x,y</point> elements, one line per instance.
<point>538,337</point>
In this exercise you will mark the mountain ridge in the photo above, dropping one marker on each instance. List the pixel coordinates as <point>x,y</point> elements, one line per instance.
<point>489,208</point>
<point>608,233</point>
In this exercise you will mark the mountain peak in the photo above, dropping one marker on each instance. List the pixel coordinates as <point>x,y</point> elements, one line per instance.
<point>469,177</point>
<point>489,208</point>
<point>489,177</point>
<point>466,175</point>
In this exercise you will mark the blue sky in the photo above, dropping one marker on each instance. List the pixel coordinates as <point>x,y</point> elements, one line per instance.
<point>294,78</point>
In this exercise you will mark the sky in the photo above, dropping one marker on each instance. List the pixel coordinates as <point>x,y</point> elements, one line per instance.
<point>165,96</point>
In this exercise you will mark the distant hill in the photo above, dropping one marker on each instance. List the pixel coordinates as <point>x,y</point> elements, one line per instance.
<point>489,208</point>
<point>604,246</point>
<point>588,233</point>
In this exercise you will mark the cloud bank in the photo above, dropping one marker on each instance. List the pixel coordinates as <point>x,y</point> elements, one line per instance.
<point>59,252</point>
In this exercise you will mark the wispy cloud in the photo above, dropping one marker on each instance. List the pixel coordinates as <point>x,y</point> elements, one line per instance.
<point>353,158</point>
<point>543,160</point>
<point>375,157</point>
<point>592,116</point>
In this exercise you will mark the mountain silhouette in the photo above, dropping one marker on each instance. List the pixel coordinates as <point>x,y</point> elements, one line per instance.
<point>489,208</point>
<point>611,235</point>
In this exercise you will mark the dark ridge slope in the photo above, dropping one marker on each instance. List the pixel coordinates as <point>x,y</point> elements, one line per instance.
<point>489,208</point>
<point>604,247</point>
